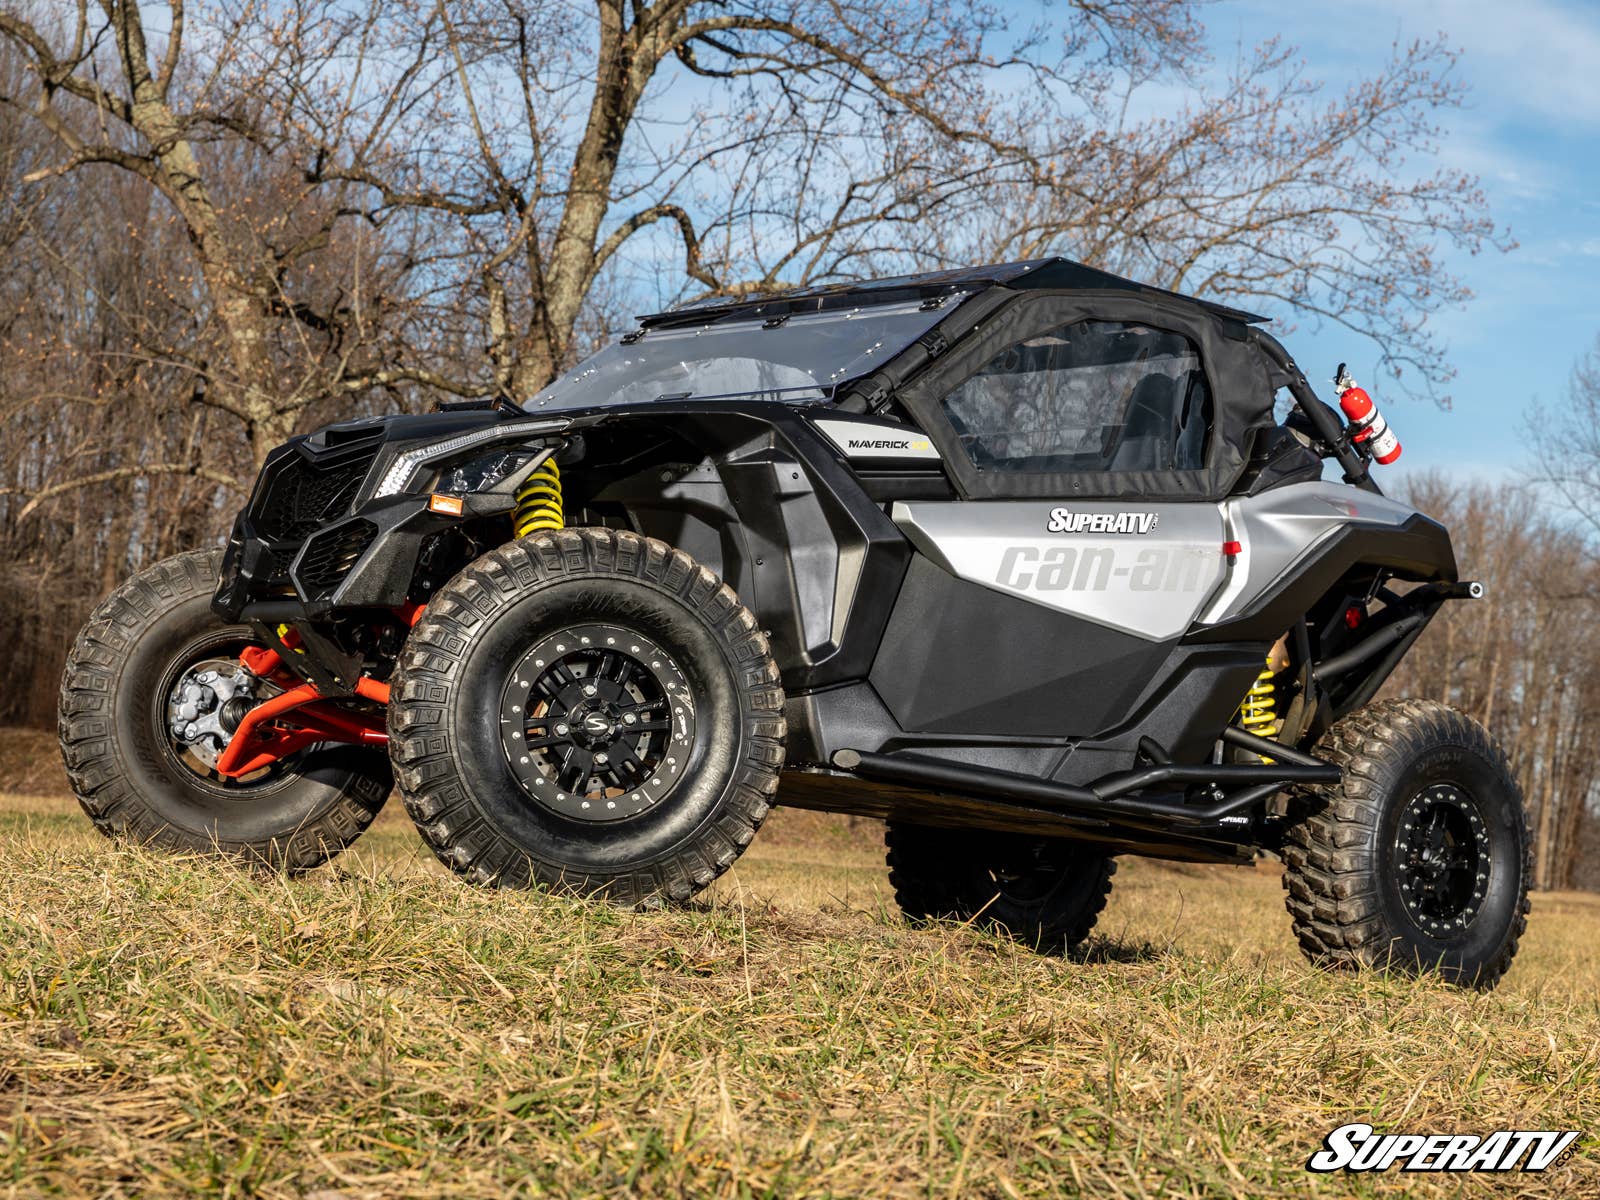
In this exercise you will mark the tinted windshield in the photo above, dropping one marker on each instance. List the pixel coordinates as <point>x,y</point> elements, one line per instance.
<point>801,360</point>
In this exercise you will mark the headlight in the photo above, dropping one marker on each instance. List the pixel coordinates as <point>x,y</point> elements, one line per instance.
<point>482,473</point>
<point>402,472</point>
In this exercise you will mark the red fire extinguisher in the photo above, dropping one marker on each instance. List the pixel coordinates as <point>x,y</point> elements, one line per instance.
<point>1366,422</point>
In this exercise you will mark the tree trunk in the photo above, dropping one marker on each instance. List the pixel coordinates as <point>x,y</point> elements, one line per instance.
<point>242,309</point>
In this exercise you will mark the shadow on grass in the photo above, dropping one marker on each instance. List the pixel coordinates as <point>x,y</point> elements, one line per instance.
<point>1099,950</point>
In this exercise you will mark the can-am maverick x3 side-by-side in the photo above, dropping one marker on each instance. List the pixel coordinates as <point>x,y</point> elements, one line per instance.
<point>1016,558</point>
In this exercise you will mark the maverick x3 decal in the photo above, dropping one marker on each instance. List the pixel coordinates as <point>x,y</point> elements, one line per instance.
<point>870,439</point>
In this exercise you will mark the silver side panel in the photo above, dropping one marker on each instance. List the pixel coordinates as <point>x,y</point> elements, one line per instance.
<point>1143,569</point>
<point>878,439</point>
<point>1279,531</point>
<point>1151,570</point>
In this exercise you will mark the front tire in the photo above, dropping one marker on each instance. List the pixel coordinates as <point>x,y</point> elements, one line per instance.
<point>1420,860</point>
<point>1046,893</point>
<point>136,782</point>
<point>589,711</point>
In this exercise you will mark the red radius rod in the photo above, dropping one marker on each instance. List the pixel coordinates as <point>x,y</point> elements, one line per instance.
<point>261,741</point>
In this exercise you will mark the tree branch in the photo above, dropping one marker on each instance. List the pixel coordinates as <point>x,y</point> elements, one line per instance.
<point>141,472</point>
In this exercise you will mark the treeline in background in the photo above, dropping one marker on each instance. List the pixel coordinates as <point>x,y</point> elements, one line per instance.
<point>222,223</point>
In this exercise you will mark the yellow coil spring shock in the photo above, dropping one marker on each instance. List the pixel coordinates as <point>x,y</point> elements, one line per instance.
<point>1258,711</point>
<point>539,501</point>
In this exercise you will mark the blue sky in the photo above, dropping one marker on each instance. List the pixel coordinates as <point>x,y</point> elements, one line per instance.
<point>1531,131</point>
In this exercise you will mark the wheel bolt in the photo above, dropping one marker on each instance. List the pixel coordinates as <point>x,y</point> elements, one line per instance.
<point>561,730</point>
<point>588,689</point>
<point>629,719</point>
<point>191,731</point>
<point>602,758</point>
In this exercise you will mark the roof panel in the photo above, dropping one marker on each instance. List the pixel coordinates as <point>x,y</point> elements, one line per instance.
<point>1056,272</point>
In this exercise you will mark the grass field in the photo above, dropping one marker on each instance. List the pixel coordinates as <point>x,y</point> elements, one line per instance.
<point>377,1029</point>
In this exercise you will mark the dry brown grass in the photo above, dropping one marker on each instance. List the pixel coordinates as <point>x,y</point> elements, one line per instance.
<point>377,1029</point>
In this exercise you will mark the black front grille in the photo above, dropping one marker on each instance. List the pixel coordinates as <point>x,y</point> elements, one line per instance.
<point>276,563</point>
<point>329,556</point>
<point>302,496</point>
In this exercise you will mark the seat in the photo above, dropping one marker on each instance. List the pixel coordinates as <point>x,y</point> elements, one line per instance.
<point>1147,426</point>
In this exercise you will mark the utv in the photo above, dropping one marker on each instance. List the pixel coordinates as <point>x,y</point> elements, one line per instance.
<point>1016,558</point>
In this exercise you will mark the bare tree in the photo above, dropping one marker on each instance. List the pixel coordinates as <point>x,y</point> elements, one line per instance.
<point>1270,189</point>
<point>1518,660</point>
<point>769,145</point>
<point>290,293</point>
<point>1566,438</point>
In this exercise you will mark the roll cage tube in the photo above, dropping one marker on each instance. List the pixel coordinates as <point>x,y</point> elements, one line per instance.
<point>1327,426</point>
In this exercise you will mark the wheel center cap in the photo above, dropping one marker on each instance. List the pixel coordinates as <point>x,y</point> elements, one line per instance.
<point>597,725</point>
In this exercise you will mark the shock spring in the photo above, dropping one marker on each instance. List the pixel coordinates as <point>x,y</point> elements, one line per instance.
<point>1258,711</point>
<point>539,501</point>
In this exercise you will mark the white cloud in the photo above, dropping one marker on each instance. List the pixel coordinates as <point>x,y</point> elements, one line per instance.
<point>1538,58</point>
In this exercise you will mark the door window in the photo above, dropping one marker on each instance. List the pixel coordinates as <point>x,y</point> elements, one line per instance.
<point>1090,396</point>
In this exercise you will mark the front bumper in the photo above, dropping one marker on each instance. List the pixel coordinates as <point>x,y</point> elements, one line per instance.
<point>307,543</point>
<point>362,561</point>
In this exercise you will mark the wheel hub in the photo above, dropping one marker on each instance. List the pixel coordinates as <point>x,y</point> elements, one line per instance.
<point>597,723</point>
<point>1442,859</point>
<point>206,705</point>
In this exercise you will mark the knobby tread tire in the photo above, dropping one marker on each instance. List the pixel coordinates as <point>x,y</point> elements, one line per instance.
<point>98,766</point>
<point>931,872</point>
<point>1333,849</point>
<point>460,828</point>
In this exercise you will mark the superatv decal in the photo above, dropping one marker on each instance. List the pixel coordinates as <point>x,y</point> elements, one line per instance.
<point>1064,520</point>
<point>1358,1147</point>
<point>862,439</point>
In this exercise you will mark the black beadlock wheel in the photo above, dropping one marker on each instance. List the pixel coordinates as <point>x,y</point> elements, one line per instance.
<point>590,711</point>
<point>1046,893</point>
<point>1420,860</point>
<point>152,690</point>
<point>598,723</point>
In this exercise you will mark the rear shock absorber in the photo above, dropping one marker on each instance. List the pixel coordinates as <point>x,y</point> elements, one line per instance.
<point>1258,711</point>
<point>539,501</point>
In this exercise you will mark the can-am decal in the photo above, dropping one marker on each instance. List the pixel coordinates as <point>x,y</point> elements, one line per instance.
<point>1099,568</point>
<point>1064,520</point>
<point>859,439</point>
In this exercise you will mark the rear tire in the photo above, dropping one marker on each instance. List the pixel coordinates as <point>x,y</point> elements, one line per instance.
<point>1046,893</point>
<point>589,711</point>
<point>135,783</point>
<point>1420,859</point>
